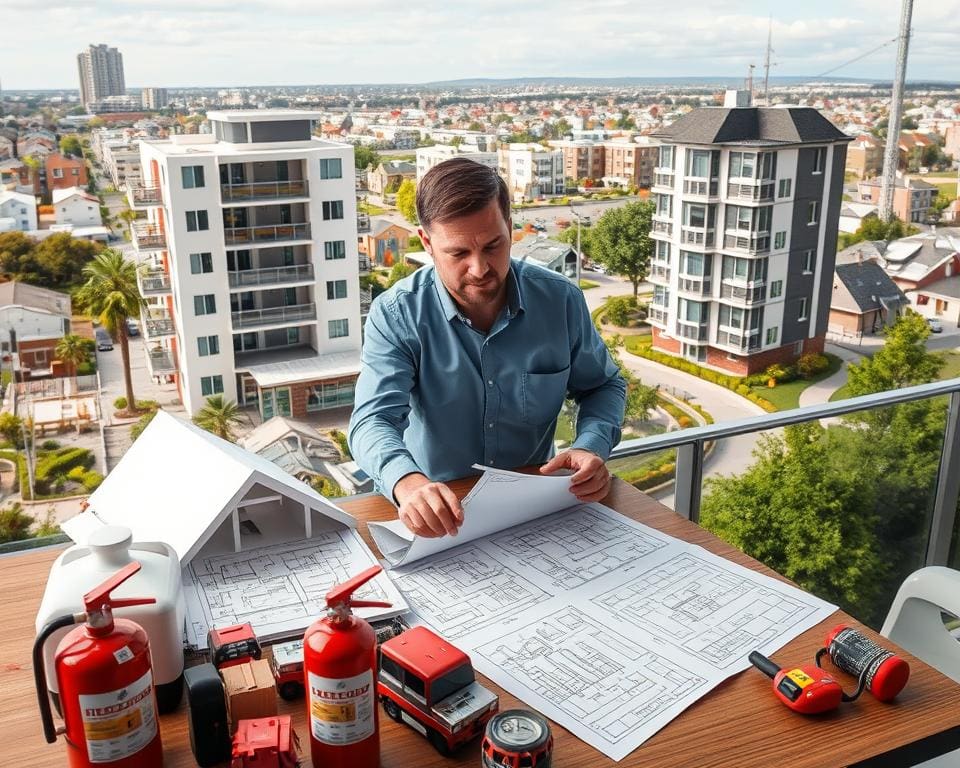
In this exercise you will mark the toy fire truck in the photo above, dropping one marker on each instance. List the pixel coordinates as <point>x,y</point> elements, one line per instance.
<point>234,645</point>
<point>267,742</point>
<point>287,665</point>
<point>428,684</point>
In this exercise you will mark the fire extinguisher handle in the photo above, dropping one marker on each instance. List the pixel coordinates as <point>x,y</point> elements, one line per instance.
<point>40,673</point>
<point>99,596</point>
<point>369,604</point>
<point>340,594</point>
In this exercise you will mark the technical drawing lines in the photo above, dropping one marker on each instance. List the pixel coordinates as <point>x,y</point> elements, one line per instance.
<point>465,590</point>
<point>714,613</point>
<point>598,677</point>
<point>578,546</point>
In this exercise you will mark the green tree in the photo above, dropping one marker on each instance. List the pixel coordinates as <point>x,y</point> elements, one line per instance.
<point>621,241</point>
<point>60,259</point>
<point>327,487</point>
<point>70,145</point>
<point>364,157</point>
<point>399,271</point>
<point>902,361</point>
<point>71,351</point>
<point>414,243</point>
<point>569,236</point>
<point>475,126</point>
<point>112,295</point>
<point>220,417</point>
<point>501,118</point>
<point>11,429</point>
<point>17,257</point>
<point>14,524</point>
<point>407,200</point>
<point>641,399</point>
<point>874,228</point>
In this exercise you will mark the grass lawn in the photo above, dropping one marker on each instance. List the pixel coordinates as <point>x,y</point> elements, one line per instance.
<point>787,396</point>
<point>951,369</point>
<point>586,285</point>
<point>841,394</point>
<point>371,209</point>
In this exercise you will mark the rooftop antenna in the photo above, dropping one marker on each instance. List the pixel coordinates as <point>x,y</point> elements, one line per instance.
<point>750,68</point>
<point>767,64</point>
<point>895,119</point>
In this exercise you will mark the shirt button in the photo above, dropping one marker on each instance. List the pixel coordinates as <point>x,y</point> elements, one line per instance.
<point>490,425</point>
<point>489,382</point>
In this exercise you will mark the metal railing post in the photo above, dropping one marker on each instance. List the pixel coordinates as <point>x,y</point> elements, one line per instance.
<point>688,480</point>
<point>948,489</point>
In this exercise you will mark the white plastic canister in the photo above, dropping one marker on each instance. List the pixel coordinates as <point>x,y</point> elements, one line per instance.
<point>83,567</point>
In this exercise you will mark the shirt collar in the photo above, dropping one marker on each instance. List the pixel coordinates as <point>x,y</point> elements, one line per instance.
<point>514,296</point>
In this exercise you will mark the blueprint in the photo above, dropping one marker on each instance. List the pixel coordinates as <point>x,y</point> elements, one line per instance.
<point>606,626</point>
<point>279,589</point>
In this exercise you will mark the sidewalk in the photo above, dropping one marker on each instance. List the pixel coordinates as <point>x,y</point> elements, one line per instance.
<point>819,393</point>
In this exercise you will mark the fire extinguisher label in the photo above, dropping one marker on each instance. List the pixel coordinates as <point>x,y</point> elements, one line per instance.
<point>342,709</point>
<point>119,723</point>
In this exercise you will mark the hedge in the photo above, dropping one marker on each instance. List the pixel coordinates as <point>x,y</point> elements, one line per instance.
<point>60,462</point>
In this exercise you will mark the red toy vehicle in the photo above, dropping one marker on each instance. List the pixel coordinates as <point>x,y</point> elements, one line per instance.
<point>428,684</point>
<point>233,645</point>
<point>267,742</point>
<point>287,665</point>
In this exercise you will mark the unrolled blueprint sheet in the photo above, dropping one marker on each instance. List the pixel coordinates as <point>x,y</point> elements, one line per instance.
<point>605,625</point>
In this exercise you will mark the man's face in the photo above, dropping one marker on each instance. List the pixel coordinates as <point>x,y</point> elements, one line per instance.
<point>472,256</point>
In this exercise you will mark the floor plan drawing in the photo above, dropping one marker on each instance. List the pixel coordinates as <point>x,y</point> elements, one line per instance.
<point>465,591</point>
<point>277,587</point>
<point>607,683</point>
<point>714,613</point>
<point>576,546</point>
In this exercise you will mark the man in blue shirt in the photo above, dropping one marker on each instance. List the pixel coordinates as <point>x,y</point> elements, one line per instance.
<point>469,362</point>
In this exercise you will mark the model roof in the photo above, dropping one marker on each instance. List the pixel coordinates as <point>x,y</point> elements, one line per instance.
<point>18,294</point>
<point>752,125</point>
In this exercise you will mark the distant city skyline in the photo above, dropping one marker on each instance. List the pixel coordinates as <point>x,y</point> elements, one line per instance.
<point>233,43</point>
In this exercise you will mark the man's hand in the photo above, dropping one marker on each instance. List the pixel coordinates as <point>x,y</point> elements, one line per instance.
<point>428,509</point>
<point>590,480</point>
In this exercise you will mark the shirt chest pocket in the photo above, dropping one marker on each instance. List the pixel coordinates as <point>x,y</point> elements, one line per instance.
<point>543,395</point>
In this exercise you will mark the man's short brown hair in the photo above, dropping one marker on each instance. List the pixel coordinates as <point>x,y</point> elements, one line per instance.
<point>459,187</point>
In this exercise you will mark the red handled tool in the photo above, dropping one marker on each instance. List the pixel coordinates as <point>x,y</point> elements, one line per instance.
<point>807,690</point>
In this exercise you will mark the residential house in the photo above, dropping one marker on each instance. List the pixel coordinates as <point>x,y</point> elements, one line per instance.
<point>630,163</point>
<point>912,144</point>
<point>853,214</point>
<point>32,322</point>
<point>912,198</point>
<point>76,207</point>
<point>582,159</point>
<point>532,171</point>
<point>36,142</point>
<point>427,157</point>
<point>386,243</point>
<point>19,177</point>
<point>547,253</point>
<point>865,300</point>
<point>918,261</point>
<point>388,176</point>
<point>865,156</point>
<point>6,148</point>
<point>18,210</point>
<point>64,172</point>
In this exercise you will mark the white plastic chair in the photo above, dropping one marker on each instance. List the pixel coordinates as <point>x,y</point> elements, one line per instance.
<point>915,623</point>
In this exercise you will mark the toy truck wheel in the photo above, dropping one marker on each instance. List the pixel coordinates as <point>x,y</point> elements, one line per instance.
<point>391,708</point>
<point>290,691</point>
<point>439,743</point>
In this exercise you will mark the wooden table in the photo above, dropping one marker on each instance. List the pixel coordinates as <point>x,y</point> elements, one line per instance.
<point>739,724</point>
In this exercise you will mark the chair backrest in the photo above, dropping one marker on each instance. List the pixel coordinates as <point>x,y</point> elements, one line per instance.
<point>915,622</point>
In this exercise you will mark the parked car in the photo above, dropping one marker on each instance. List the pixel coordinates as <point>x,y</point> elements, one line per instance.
<point>935,325</point>
<point>104,341</point>
<point>133,327</point>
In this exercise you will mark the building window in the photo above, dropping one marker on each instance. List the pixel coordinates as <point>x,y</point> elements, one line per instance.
<point>803,309</point>
<point>208,345</point>
<point>332,209</point>
<point>192,176</point>
<point>331,168</point>
<point>666,156</point>
<point>334,249</point>
<point>58,173</point>
<point>201,263</point>
<point>772,335</point>
<point>785,188</point>
<point>808,262</point>
<point>205,304</point>
<point>197,220</point>
<point>331,394</point>
<point>336,289</point>
<point>74,171</point>
<point>211,385</point>
<point>776,288</point>
<point>819,158</point>
<point>337,329</point>
<point>779,239</point>
<point>813,209</point>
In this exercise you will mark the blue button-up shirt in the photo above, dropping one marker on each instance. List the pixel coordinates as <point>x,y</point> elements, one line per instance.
<point>437,396</point>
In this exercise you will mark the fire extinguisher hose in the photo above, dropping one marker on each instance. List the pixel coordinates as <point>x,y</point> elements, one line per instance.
<point>39,673</point>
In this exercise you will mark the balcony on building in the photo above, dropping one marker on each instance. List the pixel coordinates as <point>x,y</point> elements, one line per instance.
<point>153,282</point>
<point>662,225</point>
<point>743,293</point>
<point>147,237</point>
<point>261,268</point>
<point>751,176</point>
<point>663,180</point>
<point>143,196</point>
<point>692,330</point>
<point>659,273</point>
<point>363,264</point>
<point>157,323</point>
<point>694,285</point>
<point>702,173</point>
<point>256,224</point>
<point>366,299</point>
<point>160,361</point>
<point>738,339</point>
<point>256,182</point>
<point>746,242</point>
<point>363,222</point>
<point>272,308</point>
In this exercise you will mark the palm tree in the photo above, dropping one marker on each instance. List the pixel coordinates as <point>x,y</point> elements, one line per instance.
<point>72,350</point>
<point>111,293</point>
<point>219,416</point>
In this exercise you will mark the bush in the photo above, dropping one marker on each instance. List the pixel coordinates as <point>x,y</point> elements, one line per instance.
<point>743,390</point>
<point>49,445</point>
<point>781,373</point>
<point>91,480</point>
<point>86,369</point>
<point>811,364</point>
<point>684,422</point>
<point>76,474</point>
<point>60,462</point>
<point>120,403</point>
<point>137,429</point>
<point>14,524</point>
<point>341,440</point>
<point>619,310</point>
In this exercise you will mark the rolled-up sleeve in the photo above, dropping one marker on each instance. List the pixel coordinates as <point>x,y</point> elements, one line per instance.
<point>597,387</point>
<point>382,401</point>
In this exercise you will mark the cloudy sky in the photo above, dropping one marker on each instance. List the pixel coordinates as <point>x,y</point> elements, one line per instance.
<point>272,42</point>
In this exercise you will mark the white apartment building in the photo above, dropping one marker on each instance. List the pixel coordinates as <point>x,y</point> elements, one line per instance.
<point>118,151</point>
<point>427,157</point>
<point>745,228</point>
<point>18,210</point>
<point>531,171</point>
<point>250,263</point>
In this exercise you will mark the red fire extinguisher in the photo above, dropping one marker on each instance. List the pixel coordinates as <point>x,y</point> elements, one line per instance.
<point>106,685</point>
<point>339,667</point>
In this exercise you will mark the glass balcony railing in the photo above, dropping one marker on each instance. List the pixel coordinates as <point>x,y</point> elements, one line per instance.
<point>269,233</point>
<point>160,362</point>
<point>153,283</point>
<point>270,276</point>
<point>263,190</point>
<point>274,316</point>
